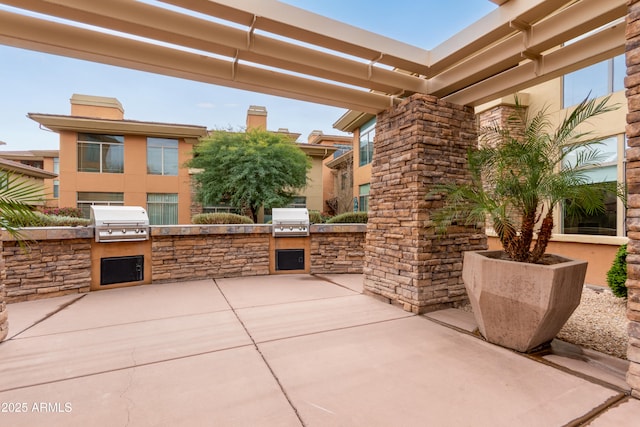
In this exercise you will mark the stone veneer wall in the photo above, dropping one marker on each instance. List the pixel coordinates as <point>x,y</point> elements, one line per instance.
<point>420,142</point>
<point>59,263</point>
<point>58,260</point>
<point>198,252</point>
<point>337,248</point>
<point>632,82</point>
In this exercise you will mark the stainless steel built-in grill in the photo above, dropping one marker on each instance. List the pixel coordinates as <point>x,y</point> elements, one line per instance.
<point>289,222</point>
<point>120,223</point>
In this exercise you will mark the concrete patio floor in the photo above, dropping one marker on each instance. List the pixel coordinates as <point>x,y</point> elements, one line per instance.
<point>286,350</point>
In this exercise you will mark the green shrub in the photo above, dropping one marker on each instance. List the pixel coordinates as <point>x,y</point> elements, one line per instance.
<point>220,218</point>
<point>68,221</point>
<point>68,212</point>
<point>617,275</point>
<point>315,217</point>
<point>41,220</point>
<point>349,218</point>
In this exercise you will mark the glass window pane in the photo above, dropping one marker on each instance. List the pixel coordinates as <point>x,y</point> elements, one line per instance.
<point>88,157</point>
<point>112,158</point>
<point>592,81</point>
<point>154,160</point>
<point>170,161</point>
<point>367,134</point>
<point>99,196</point>
<point>162,208</point>
<point>603,224</point>
<point>619,72</point>
<point>93,137</point>
<point>608,149</point>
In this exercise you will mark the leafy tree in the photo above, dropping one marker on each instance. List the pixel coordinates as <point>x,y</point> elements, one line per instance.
<point>249,169</point>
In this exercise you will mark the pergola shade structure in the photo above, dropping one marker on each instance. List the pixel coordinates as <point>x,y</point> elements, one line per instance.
<point>271,47</point>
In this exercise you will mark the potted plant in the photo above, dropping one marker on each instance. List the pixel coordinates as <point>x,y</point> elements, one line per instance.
<point>520,174</point>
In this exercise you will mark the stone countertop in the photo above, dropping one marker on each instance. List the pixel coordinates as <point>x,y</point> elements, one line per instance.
<point>63,233</point>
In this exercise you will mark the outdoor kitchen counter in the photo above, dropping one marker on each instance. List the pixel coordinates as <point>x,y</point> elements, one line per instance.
<point>191,230</point>
<point>55,233</point>
<point>50,233</point>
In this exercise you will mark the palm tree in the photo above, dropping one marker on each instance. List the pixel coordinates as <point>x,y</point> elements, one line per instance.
<point>17,197</point>
<point>521,172</point>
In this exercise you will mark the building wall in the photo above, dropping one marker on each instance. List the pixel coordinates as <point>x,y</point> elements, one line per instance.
<point>314,190</point>
<point>48,184</point>
<point>361,174</point>
<point>135,183</point>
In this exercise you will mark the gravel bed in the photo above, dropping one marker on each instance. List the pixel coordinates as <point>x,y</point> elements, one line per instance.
<point>599,323</point>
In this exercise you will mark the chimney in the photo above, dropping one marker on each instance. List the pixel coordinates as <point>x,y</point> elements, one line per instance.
<point>256,117</point>
<point>98,107</point>
<point>313,135</point>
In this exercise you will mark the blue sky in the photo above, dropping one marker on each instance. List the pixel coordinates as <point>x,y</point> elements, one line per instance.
<point>43,83</point>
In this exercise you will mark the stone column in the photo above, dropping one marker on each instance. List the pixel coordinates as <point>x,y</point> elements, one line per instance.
<point>420,142</point>
<point>632,83</point>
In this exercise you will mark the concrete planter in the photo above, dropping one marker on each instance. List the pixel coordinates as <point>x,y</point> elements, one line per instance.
<point>518,305</point>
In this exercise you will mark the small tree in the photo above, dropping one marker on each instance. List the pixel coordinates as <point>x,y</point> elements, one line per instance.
<point>248,170</point>
<point>521,172</point>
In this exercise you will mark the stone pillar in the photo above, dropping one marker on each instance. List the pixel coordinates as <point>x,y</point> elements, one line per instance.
<point>420,142</point>
<point>632,83</point>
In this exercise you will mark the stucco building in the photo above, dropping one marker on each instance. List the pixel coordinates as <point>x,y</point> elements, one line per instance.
<point>105,159</point>
<point>42,165</point>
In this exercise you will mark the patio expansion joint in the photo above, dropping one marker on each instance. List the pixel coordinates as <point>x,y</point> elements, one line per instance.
<point>342,328</point>
<point>264,359</point>
<point>293,302</point>
<point>46,316</point>
<point>113,325</point>
<point>326,279</point>
<point>124,368</point>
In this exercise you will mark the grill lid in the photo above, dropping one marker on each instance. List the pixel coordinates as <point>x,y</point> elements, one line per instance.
<point>290,222</point>
<point>120,223</point>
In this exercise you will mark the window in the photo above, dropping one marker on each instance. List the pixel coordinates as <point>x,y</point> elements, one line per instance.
<point>363,199</point>
<point>341,149</point>
<point>56,182</point>
<point>298,202</point>
<point>162,156</point>
<point>596,80</point>
<point>221,208</point>
<point>162,208</point>
<point>100,153</point>
<point>33,163</point>
<point>86,199</point>
<point>367,135</point>
<point>605,223</point>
